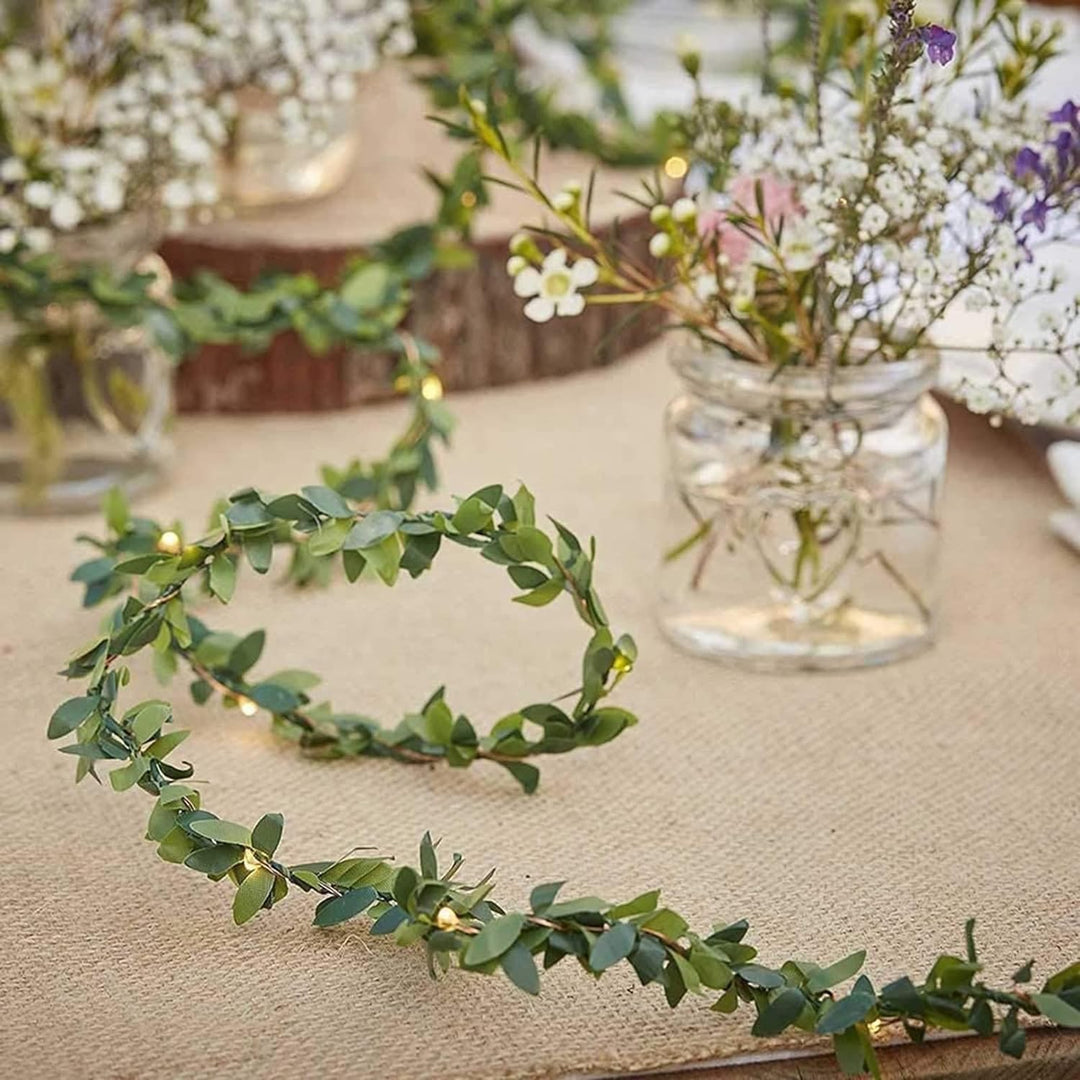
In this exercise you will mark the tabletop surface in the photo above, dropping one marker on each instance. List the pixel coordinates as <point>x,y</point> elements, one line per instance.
<point>877,809</point>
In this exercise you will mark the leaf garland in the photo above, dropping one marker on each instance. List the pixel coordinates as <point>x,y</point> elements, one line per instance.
<point>458,922</point>
<point>320,524</point>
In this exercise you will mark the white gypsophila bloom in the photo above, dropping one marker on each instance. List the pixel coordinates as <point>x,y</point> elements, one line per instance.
<point>554,286</point>
<point>65,212</point>
<point>39,194</point>
<point>874,219</point>
<point>802,245</point>
<point>840,272</point>
<point>8,239</point>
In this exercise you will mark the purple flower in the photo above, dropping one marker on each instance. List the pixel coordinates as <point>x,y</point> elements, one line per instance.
<point>1064,144</point>
<point>1069,113</point>
<point>940,43</point>
<point>1001,205</point>
<point>1035,214</point>
<point>1028,161</point>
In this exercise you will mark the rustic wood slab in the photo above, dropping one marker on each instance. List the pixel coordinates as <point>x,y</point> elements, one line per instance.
<point>471,315</point>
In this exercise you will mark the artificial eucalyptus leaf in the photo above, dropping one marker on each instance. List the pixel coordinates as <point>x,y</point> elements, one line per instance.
<point>339,909</point>
<point>494,939</point>
<point>252,894</point>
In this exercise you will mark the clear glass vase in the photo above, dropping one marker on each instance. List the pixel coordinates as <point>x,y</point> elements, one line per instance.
<point>802,523</point>
<point>263,168</point>
<point>84,407</point>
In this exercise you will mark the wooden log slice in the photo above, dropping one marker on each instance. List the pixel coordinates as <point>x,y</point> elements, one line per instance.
<point>471,314</point>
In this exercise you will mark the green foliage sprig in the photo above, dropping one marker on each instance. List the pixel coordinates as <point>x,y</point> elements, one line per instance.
<point>160,570</point>
<point>473,46</point>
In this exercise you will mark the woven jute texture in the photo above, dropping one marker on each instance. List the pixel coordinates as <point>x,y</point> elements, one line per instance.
<point>875,809</point>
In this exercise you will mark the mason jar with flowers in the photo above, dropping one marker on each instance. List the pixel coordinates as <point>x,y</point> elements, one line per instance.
<point>824,235</point>
<point>108,130</point>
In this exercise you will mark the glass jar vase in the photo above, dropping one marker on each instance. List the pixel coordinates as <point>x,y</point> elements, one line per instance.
<point>261,167</point>
<point>802,528</point>
<point>84,407</point>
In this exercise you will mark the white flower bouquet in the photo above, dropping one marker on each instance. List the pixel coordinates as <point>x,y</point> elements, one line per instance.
<point>841,222</point>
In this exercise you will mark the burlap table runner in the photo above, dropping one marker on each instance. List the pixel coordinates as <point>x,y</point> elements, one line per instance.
<point>876,809</point>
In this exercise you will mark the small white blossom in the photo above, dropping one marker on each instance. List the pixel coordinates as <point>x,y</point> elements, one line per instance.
<point>554,287</point>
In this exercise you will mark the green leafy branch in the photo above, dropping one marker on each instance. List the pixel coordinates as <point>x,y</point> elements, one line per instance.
<point>472,45</point>
<point>156,566</point>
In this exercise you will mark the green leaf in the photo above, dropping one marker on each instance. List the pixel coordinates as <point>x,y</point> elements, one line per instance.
<point>247,653</point>
<point>836,973</point>
<point>640,905</point>
<point>1054,1008</point>
<point>70,715</point>
<point>543,595</point>
<point>495,939</point>
<point>405,882</point>
<point>161,748</point>
<point>329,538</point>
<point>543,896</point>
<point>222,577</point>
<point>366,287</point>
<point>176,847</point>
<point>389,921</point>
<point>223,832</point>
<point>266,835</point>
<point>372,529</point>
<point>115,507</point>
<point>584,905</point>
<point>339,909</point>
<point>1023,974</point>
<point>666,922</point>
<point>648,959</point>
<point>527,577</point>
<point>849,1052</point>
<point>1063,980</point>
<point>757,975</point>
<point>216,860</point>
<point>714,972</point>
<point>429,862</point>
<point>471,516</point>
<point>520,968</point>
<point>247,514</point>
<point>327,500</point>
<point>276,699</point>
<point>612,946</point>
<point>528,776</point>
<point>845,1013</point>
<point>123,778</point>
<point>149,720</point>
<point>260,553</point>
<point>252,894</point>
<point>1013,1038</point>
<point>782,1011</point>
